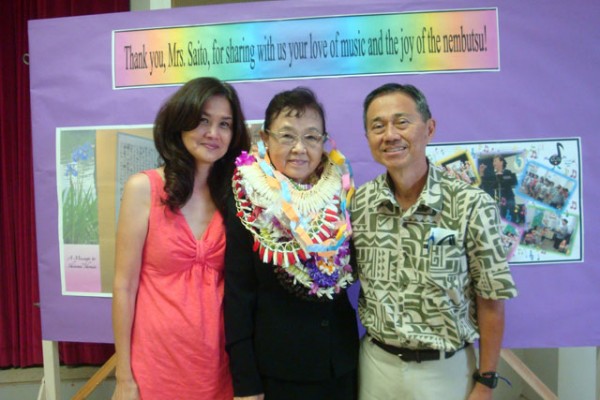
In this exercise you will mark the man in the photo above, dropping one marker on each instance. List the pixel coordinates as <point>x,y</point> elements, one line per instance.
<point>431,263</point>
<point>499,185</point>
<point>562,235</point>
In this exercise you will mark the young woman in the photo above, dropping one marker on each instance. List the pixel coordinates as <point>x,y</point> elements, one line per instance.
<point>168,286</point>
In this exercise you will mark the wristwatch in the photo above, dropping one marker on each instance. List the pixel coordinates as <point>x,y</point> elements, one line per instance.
<point>489,379</point>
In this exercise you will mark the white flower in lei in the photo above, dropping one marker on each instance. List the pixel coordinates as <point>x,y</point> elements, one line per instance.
<point>303,232</point>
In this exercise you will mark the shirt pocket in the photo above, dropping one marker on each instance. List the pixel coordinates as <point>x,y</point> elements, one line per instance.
<point>447,271</point>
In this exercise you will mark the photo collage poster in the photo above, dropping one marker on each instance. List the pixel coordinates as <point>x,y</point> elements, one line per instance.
<point>537,187</point>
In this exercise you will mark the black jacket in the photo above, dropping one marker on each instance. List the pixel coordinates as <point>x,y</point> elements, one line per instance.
<point>271,332</point>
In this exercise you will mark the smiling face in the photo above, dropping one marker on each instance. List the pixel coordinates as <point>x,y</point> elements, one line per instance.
<point>209,141</point>
<point>300,160</point>
<point>396,132</point>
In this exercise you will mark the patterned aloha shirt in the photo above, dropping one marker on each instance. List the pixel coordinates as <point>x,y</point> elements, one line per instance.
<point>420,270</point>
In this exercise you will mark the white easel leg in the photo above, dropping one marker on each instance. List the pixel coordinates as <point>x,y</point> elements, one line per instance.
<point>51,381</point>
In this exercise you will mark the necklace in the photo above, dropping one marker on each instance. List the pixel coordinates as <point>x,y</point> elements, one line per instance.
<point>302,231</point>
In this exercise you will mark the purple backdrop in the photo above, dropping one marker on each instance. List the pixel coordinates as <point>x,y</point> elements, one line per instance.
<point>547,87</point>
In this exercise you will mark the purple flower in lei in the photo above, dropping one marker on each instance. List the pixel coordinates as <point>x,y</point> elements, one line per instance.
<point>277,224</point>
<point>319,278</point>
<point>285,234</point>
<point>342,252</point>
<point>244,159</point>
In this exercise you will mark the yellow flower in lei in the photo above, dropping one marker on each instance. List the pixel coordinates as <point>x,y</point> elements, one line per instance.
<point>326,266</point>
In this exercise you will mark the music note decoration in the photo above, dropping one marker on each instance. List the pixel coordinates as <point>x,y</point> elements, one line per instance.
<point>556,159</point>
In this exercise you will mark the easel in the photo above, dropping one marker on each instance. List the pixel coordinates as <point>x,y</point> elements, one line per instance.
<point>96,379</point>
<point>51,380</point>
<point>50,387</point>
<point>528,376</point>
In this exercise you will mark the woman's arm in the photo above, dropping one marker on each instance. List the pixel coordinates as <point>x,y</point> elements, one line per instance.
<point>131,235</point>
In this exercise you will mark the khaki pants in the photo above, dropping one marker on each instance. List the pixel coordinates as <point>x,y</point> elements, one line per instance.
<point>383,376</point>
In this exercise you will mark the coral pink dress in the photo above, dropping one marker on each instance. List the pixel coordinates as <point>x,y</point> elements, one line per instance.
<point>178,340</point>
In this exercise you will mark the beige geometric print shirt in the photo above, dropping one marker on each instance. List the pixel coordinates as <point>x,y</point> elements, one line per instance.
<point>420,270</point>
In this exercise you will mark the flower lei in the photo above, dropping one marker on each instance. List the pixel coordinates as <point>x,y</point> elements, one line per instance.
<point>305,234</point>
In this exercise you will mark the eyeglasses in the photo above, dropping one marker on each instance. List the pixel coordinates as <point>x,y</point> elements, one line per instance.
<point>311,139</point>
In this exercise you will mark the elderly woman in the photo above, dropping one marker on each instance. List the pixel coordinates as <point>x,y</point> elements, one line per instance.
<point>291,332</point>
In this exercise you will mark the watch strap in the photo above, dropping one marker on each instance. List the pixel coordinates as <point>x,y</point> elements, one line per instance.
<point>489,378</point>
